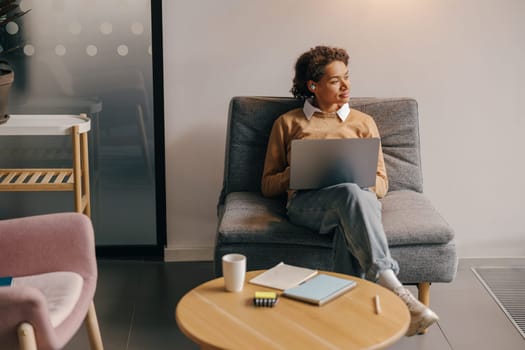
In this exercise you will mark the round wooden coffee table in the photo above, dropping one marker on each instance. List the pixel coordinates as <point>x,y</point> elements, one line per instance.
<point>216,319</point>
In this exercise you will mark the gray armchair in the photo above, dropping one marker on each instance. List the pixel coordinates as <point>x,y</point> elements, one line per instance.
<point>258,227</point>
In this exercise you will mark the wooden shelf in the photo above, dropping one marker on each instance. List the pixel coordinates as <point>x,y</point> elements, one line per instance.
<point>75,179</point>
<point>36,180</point>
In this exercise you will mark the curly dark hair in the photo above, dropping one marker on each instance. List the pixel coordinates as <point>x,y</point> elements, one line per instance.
<point>310,66</point>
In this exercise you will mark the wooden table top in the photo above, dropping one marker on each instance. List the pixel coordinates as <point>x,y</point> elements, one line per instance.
<point>216,319</point>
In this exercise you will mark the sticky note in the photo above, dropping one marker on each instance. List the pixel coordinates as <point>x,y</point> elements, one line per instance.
<point>265,295</point>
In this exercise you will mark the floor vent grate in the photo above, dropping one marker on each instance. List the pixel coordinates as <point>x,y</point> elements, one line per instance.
<point>506,284</point>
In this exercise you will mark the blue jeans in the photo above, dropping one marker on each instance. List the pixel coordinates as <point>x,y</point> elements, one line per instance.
<point>353,213</point>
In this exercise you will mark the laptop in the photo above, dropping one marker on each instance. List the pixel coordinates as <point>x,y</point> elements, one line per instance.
<point>316,164</point>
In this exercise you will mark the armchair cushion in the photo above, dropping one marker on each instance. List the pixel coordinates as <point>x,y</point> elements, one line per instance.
<point>251,120</point>
<point>61,291</point>
<point>408,218</point>
<point>251,218</point>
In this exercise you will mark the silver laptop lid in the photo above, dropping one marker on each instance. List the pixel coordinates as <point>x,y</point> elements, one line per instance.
<point>316,164</point>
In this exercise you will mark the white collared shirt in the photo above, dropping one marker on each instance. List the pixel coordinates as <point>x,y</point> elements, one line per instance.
<point>309,109</point>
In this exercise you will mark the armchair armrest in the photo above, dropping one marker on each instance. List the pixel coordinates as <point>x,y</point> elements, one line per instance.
<point>45,243</point>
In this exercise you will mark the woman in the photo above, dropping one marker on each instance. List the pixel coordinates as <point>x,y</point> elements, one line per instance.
<point>321,78</point>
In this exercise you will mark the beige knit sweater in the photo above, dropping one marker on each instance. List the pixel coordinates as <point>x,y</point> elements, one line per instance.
<point>294,125</point>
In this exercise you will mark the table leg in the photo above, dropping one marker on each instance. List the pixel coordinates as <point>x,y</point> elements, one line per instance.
<point>77,170</point>
<point>86,194</point>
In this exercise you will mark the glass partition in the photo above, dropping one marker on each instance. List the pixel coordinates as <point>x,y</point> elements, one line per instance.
<point>94,57</point>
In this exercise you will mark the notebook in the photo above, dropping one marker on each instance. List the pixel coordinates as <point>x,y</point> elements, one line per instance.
<point>6,281</point>
<point>320,289</point>
<point>283,276</point>
<point>316,164</point>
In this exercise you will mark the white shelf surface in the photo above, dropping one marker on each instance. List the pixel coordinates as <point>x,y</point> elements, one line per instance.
<point>43,124</point>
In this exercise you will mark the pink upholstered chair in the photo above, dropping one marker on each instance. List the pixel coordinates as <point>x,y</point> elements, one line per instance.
<point>52,261</point>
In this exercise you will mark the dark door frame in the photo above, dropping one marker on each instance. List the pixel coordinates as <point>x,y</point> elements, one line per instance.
<point>152,252</point>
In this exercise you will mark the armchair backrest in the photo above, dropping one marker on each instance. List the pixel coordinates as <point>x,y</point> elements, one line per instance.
<point>251,119</point>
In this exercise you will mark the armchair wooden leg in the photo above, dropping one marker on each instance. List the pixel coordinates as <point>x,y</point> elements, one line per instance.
<point>26,337</point>
<point>424,295</point>
<point>95,339</point>
<point>424,292</point>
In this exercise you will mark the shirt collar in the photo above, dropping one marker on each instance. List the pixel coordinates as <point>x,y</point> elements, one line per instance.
<point>309,109</point>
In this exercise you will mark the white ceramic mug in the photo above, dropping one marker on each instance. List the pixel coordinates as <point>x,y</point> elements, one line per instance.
<point>234,271</point>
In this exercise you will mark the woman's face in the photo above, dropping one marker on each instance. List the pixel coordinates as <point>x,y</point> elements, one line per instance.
<point>333,89</point>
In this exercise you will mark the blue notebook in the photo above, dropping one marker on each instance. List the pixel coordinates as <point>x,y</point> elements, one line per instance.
<point>5,281</point>
<point>320,289</point>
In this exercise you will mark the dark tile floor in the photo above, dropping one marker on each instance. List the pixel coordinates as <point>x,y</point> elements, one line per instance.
<point>136,300</point>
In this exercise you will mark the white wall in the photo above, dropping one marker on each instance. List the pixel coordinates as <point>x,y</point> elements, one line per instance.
<point>463,60</point>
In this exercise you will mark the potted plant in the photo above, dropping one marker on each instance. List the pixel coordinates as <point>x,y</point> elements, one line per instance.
<point>9,11</point>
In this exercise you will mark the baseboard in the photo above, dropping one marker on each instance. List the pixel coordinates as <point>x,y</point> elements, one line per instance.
<point>142,252</point>
<point>172,254</point>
